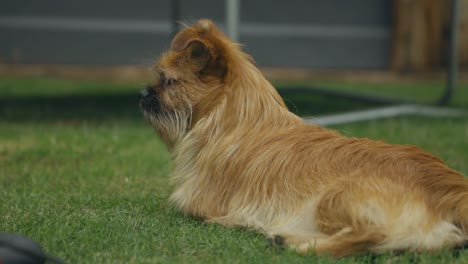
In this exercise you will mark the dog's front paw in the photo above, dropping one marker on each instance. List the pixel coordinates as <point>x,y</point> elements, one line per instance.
<point>277,241</point>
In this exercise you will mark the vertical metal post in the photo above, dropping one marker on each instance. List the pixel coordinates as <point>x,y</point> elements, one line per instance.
<point>452,69</point>
<point>175,16</point>
<point>232,19</point>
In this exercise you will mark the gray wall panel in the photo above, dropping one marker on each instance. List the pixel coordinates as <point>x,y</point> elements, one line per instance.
<point>299,33</point>
<point>193,10</point>
<point>319,53</point>
<point>325,12</point>
<point>61,47</point>
<point>115,9</point>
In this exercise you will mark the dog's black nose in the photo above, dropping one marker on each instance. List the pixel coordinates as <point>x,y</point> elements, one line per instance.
<point>145,92</point>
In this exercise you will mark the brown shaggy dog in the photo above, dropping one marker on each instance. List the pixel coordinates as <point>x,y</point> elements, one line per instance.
<point>242,159</point>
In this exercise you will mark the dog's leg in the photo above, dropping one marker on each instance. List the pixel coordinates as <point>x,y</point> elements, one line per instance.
<point>349,241</point>
<point>345,242</point>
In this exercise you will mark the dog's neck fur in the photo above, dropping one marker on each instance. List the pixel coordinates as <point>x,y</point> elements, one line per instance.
<point>247,87</point>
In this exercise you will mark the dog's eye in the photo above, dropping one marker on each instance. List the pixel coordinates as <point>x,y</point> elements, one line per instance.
<point>164,81</point>
<point>169,81</point>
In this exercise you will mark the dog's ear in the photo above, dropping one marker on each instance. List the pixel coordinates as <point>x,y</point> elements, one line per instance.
<point>198,50</point>
<point>201,53</point>
<point>194,48</point>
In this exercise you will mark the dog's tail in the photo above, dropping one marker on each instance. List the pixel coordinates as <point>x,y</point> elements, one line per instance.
<point>461,214</point>
<point>452,197</point>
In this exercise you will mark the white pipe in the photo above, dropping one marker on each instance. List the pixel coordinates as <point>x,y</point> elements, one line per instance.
<point>386,112</point>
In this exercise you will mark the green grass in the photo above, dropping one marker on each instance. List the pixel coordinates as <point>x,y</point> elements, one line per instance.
<point>82,173</point>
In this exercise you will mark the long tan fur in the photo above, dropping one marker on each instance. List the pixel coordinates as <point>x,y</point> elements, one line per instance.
<point>242,159</point>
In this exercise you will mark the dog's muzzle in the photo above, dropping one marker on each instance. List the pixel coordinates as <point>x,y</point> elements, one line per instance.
<point>148,100</point>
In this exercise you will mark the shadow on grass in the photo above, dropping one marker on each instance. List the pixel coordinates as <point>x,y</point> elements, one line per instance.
<point>95,107</point>
<point>124,106</point>
<point>310,104</point>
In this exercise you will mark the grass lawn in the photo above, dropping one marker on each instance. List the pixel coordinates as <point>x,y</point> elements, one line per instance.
<point>82,173</point>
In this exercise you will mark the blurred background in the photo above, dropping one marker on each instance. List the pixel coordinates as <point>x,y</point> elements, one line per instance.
<point>399,36</point>
<point>386,51</point>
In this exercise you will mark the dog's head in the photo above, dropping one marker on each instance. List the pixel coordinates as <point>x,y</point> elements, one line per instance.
<point>201,69</point>
<point>191,75</point>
